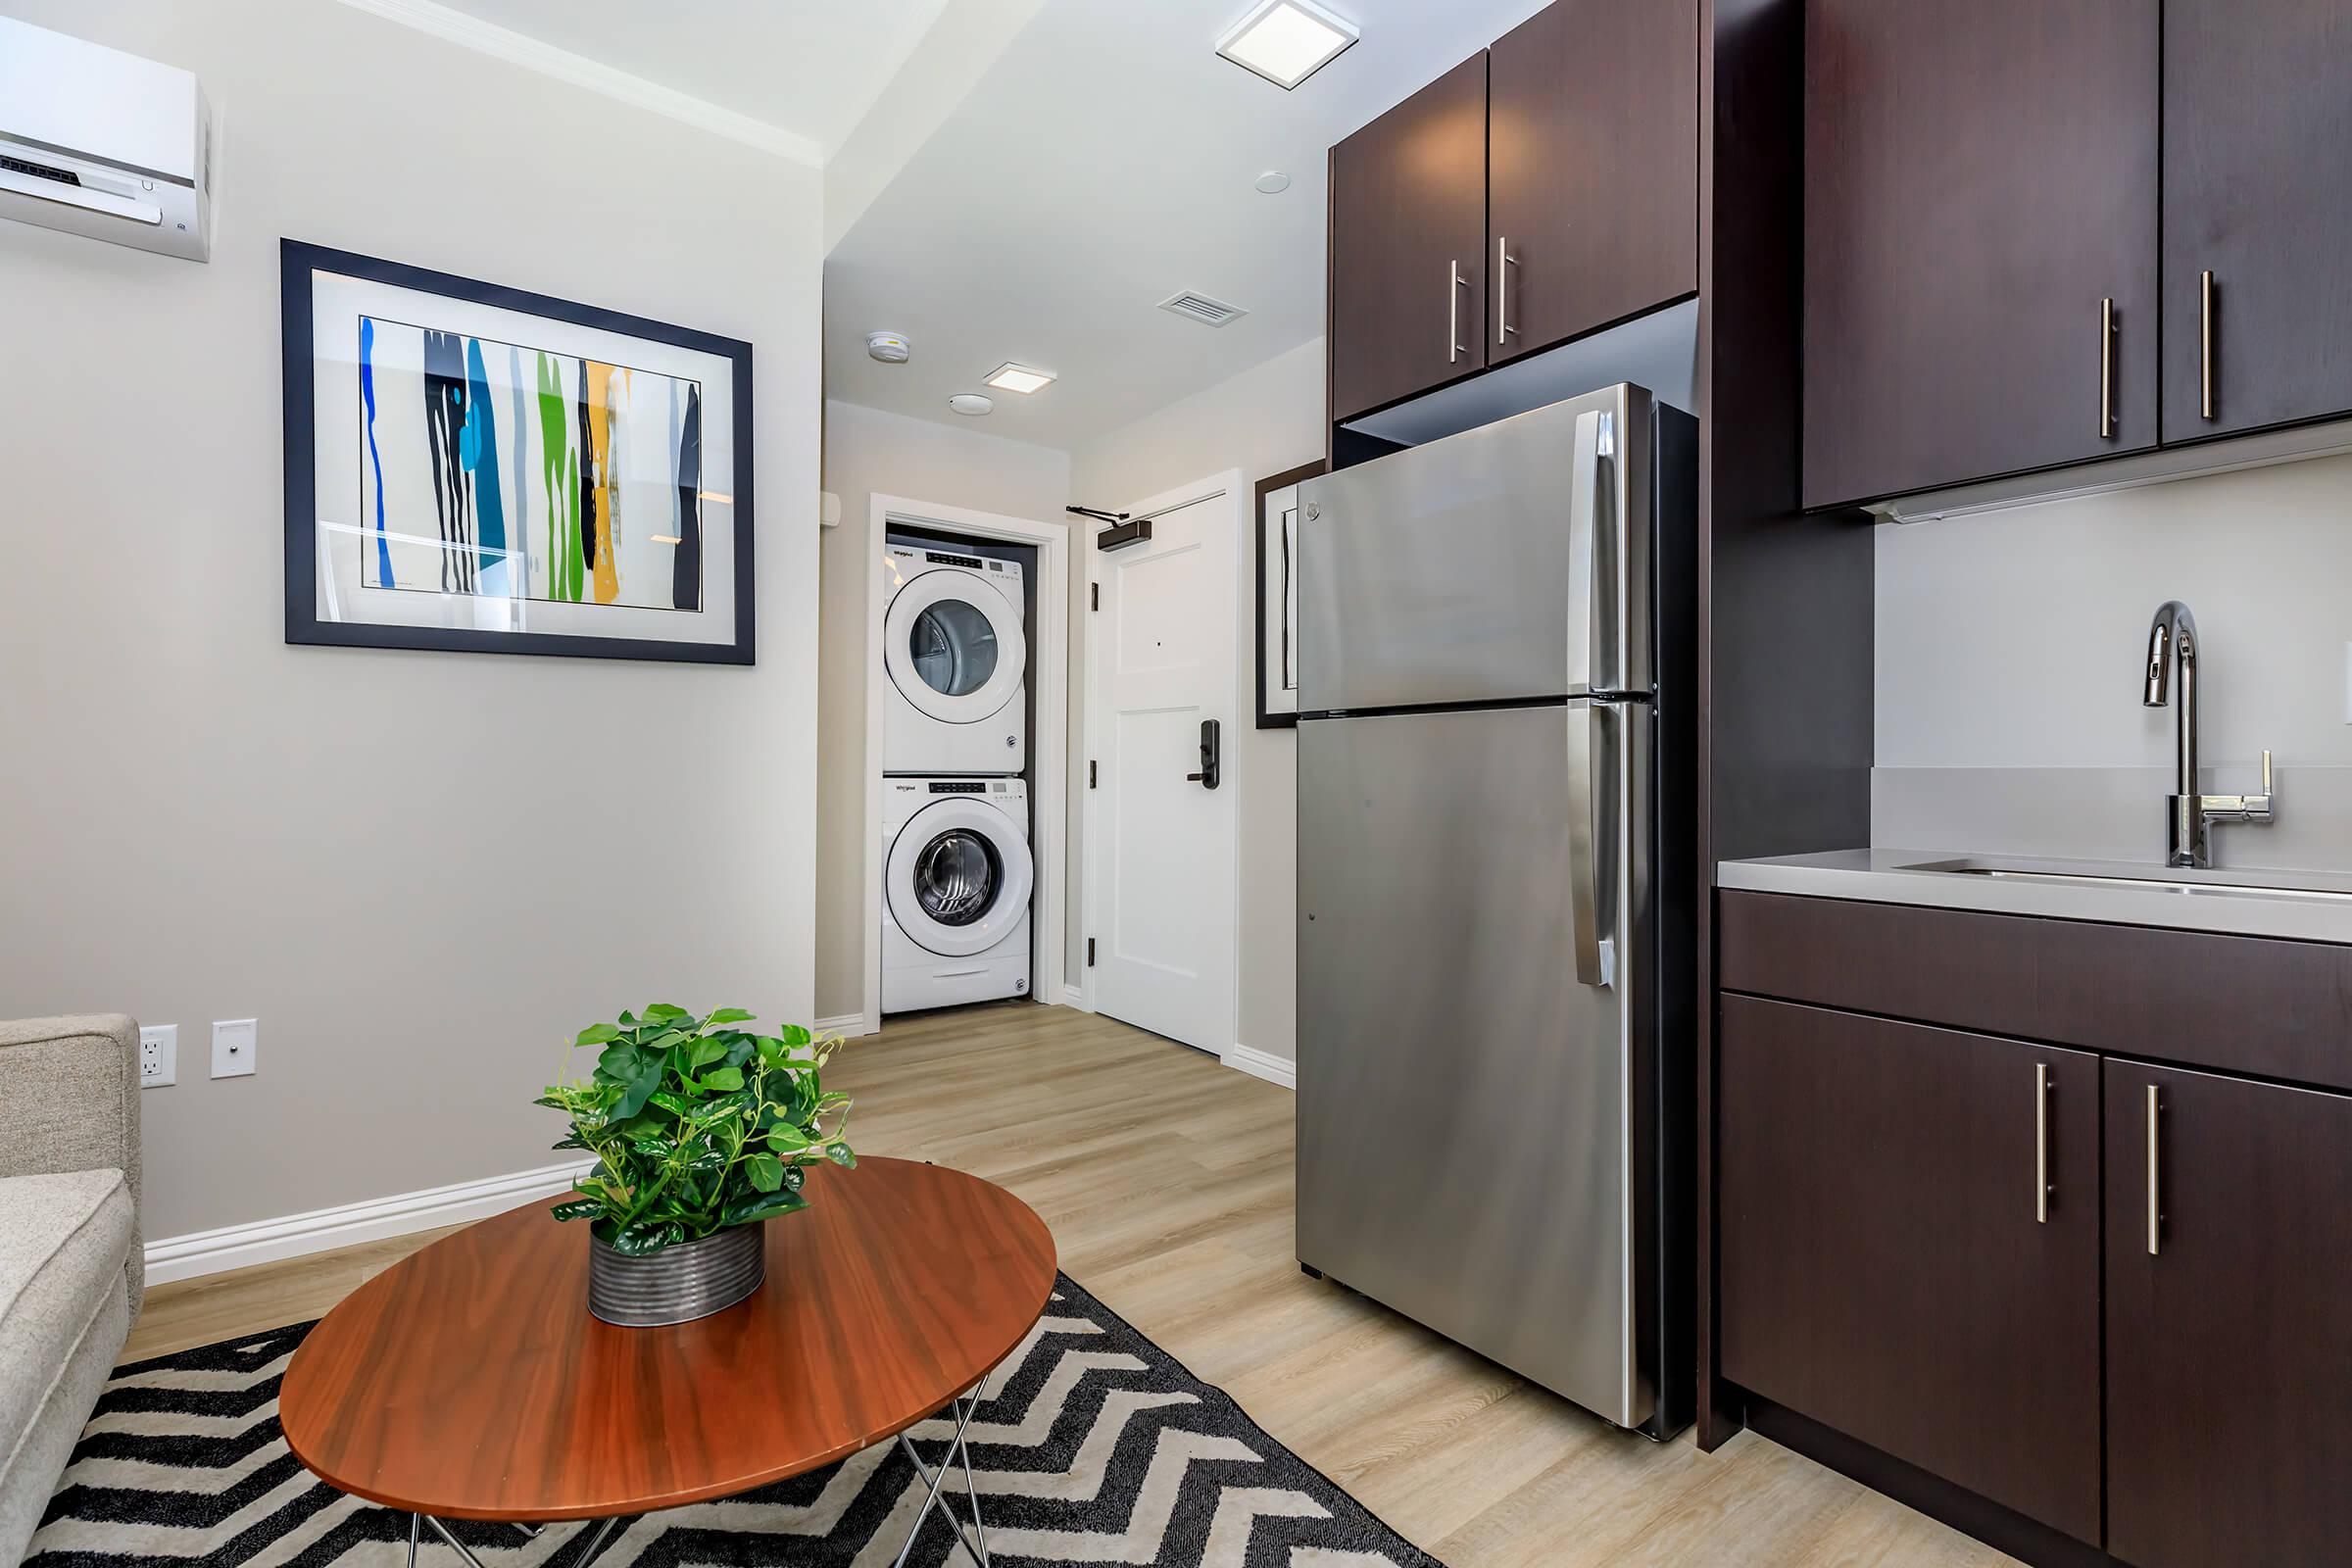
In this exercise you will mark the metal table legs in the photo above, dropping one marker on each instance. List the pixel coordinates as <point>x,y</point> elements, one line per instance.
<point>976,1541</point>
<point>418,1522</point>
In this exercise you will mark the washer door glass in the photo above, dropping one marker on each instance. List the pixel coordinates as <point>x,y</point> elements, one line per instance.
<point>958,876</point>
<point>954,647</point>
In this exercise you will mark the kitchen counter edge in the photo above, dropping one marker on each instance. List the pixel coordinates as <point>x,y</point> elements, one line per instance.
<point>1888,876</point>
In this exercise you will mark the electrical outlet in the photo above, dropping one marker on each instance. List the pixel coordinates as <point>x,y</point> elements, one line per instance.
<point>159,1055</point>
<point>234,1046</point>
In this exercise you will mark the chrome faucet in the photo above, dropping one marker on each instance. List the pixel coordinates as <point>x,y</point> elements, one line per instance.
<point>2190,813</point>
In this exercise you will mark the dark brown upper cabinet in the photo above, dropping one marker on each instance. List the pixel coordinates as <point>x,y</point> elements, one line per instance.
<point>1593,172</point>
<point>1980,238</point>
<point>2228,1344</point>
<point>1909,1244</point>
<point>2257,214</point>
<point>1408,245</point>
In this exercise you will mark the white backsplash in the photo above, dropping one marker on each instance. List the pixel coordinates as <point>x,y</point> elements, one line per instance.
<point>2017,639</point>
<point>2010,653</point>
<point>2107,813</point>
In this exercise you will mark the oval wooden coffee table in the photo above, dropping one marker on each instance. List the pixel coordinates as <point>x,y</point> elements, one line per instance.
<point>468,1381</point>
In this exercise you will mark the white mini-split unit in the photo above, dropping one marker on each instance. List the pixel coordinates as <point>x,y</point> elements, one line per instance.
<point>98,143</point>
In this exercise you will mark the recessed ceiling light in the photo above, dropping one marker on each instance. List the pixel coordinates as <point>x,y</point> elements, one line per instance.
<point>1010,377</point>
<point>1273,182</point>
<point>971,403</point>
<point>1285,41</point>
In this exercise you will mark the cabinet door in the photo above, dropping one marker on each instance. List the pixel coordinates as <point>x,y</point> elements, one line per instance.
<point>1981,183</point>
<point>2257,193</point>
<point>2229,1345</point>
<point>1409,240</point>
<point>1593,186</point>
<point>1885,1266</point>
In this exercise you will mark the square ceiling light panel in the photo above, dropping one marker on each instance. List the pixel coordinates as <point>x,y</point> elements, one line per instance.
<point>1286,42</point>
<point>1009,377</point>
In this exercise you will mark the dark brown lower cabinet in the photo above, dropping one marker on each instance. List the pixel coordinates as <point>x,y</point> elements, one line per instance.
<point>1887,1265</point>
<point>2230,1330</point>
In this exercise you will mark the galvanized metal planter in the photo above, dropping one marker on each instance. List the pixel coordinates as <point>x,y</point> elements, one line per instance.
<point>678,1283</point>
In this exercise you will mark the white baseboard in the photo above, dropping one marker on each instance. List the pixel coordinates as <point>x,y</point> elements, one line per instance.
<point>1262,1064</point>
<point>181,1258</point>
<point>1074,997</point>
<point>850,1024</point>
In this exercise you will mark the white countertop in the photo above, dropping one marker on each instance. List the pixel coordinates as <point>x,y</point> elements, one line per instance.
<point>2312,906</point>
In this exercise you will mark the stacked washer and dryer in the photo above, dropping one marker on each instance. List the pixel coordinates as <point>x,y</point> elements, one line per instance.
<point>957,873</point>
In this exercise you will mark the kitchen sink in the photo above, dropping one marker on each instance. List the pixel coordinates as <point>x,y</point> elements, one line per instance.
<point>2250,883</point>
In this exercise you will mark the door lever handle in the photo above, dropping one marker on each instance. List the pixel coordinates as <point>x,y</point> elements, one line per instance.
<point>1212,751</point>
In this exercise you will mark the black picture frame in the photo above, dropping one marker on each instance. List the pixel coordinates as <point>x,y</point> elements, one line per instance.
<point>298,263</point>
<point>1265,488</point>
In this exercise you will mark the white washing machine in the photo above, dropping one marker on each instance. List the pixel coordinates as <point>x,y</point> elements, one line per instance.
<point>955,883</point>
<point>955,657</point>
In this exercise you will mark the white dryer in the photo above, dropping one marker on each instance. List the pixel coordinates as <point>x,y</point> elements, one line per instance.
<point>955,883</point>
<point>956,658</point>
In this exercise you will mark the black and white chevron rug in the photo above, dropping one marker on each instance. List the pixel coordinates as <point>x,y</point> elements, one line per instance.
<point>1092,1446</point>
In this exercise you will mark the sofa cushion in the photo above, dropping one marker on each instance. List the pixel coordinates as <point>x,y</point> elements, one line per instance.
<point>64,1242</point>
<point>30,1478</point>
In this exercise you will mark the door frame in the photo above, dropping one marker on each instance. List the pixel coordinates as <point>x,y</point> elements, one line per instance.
<point>1230,487</point>
<point>1049,744</point>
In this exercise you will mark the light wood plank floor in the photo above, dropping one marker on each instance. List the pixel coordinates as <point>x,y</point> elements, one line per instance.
<point>1166,1180</point>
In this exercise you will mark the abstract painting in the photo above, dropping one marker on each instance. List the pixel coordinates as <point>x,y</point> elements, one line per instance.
<point>487,470</point>
<point>508,448</point>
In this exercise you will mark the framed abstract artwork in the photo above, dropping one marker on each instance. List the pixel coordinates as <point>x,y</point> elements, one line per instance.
<point>478,469</point>
<point>1278,596</point>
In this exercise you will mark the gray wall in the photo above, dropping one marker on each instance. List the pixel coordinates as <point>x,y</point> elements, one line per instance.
<point>869,452</point>
<point>420,871</point>
<point>1263,421</point>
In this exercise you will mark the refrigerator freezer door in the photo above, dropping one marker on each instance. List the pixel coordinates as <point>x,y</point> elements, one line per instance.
<point>1464,1105</point>
<point>1507,561</point>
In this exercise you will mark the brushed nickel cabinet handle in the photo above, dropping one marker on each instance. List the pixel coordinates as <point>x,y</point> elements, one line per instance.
<point>2107,370</point>
<point>1454,346</point>
<point>2205,344</point>
<point>2042,1143</point>
<point>2155,1215</point>
<point>1505,261</point>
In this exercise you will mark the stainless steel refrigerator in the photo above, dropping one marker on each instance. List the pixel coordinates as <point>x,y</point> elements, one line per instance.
<point>1496,893</point>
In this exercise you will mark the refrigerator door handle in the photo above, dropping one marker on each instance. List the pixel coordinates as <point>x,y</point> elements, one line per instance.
<point>1598,556</point>
<point>1586,749</point>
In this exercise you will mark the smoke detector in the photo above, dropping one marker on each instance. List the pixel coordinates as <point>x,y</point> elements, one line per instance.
<point>971,403</point>
<point>1197,307</point>
<point>891,348</point>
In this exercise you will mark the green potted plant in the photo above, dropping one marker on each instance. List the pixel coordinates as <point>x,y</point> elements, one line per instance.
<point>701,1130</point>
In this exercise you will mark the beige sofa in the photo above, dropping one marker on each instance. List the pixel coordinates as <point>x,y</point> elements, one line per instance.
<point>71,1269</point>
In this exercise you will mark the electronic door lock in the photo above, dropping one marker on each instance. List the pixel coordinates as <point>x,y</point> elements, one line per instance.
<point>1212,747</point>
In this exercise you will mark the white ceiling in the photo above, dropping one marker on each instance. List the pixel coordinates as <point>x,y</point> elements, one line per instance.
<point>809,67</point>
<point>1103,162</point>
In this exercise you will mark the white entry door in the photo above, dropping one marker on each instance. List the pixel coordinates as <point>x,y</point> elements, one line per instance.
<point>1160,856</point>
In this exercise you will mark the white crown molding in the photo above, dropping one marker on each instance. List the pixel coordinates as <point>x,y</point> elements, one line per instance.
<point>266,1241</point>
<point>1262,1064</point>
<point>503,43</point>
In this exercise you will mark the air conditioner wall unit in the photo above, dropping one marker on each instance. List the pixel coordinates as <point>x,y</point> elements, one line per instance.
<point>98,143</point>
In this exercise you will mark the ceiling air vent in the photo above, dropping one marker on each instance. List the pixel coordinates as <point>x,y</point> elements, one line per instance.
<point>1200,307</point>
